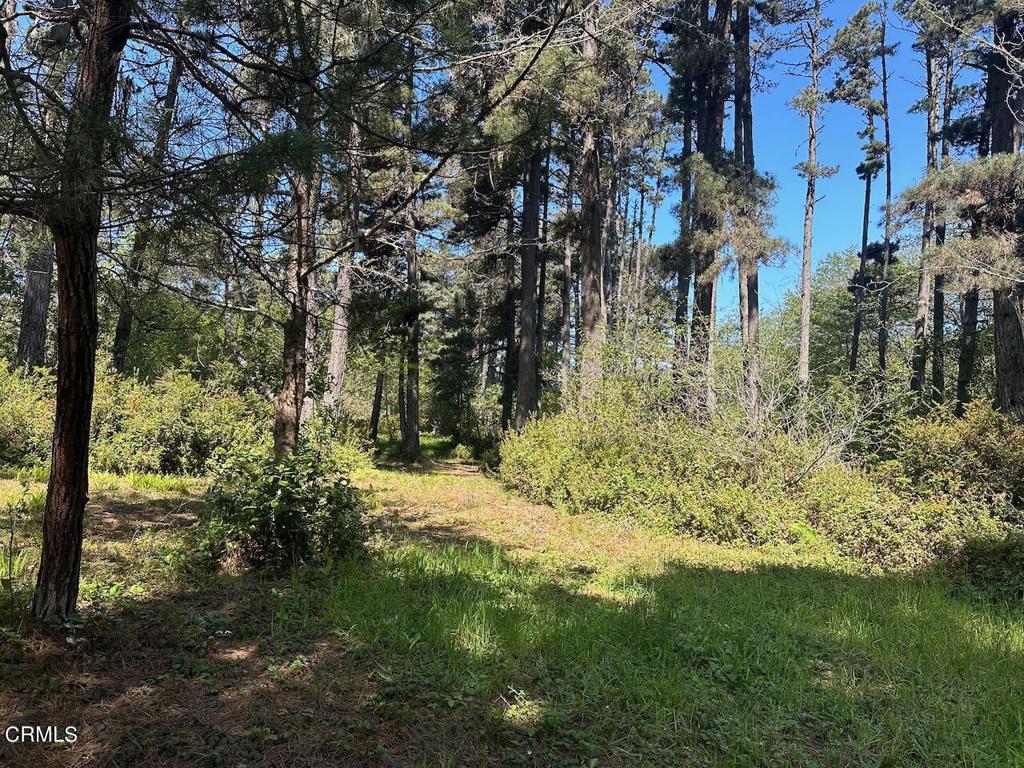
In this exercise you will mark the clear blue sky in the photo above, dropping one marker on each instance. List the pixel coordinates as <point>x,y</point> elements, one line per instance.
<point>779,136</point>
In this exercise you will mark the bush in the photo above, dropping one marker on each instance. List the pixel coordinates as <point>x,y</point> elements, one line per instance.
<point>995,566</point>
<point>177,425</point>
<point>280,513</point>
<point>629,460</point>
<point>26,416</point>
<point>339,441</point>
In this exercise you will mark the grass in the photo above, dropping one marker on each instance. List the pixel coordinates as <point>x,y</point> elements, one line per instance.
<point>483,630</point>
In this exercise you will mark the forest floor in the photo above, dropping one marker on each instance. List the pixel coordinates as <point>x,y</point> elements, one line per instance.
<point>484,630</point>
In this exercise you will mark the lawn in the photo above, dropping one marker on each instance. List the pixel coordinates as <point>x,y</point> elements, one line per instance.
<point>483,630</point>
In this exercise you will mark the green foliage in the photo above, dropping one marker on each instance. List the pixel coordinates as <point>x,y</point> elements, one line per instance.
<point>948,482</point>
<point>177,425</point>
<point>282,512</point>
<point>995,566</point>
<point>340,441</point>
<point>26,416</point>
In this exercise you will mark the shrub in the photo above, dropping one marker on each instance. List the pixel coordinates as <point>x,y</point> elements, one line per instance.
<point>280,513</point>
<point>660,468</point>
<point>339,441</point>
<point>995,566</point>
<point>26,416</point>
<point>177,425</point>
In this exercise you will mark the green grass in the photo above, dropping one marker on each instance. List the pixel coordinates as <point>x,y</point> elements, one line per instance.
<point>695,666</point>
<point>482,630</point>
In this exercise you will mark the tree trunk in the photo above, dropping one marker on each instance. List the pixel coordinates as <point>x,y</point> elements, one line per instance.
<point>411,437</point>
<point>968,348</point>
<point>591,210</point>
<point>144,227</point>
<point>289,401</point>
<point>337,360</point>
<point>861,277</point>
<point>684,267</point>
<point>526,400</point>
<point>883,303</point>
<point>566,287</point>
<point>36,304</point>
<point>803,372</point>
<point>74,221</point>
<point>939,282</point>
<point>508,319</point>
<point>1007,300</point>
<point>919,359</point>
<point>378,397</point>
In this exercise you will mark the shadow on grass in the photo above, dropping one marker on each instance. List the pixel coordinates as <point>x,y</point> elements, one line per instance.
<point>431,653</point>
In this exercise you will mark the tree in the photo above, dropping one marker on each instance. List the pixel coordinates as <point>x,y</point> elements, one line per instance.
<point>858,45</point>
<point>810,102</point>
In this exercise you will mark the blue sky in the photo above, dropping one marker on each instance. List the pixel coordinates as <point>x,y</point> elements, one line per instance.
<point>779,136</point>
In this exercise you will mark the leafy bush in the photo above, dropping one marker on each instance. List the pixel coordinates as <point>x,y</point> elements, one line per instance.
<point>659,468</point>
<point>26,416</point>
<point>995,566</point>
<point>177,425</point>
<point>280,513</point>
<point>339,441</point>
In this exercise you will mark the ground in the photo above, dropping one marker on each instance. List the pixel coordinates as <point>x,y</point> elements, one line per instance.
<point>483,630</point>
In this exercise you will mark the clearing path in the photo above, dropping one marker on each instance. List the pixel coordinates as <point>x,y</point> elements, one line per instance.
<point>482,630</point>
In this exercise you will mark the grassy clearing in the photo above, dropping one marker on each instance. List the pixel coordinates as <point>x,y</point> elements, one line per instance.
<point>483,630</point>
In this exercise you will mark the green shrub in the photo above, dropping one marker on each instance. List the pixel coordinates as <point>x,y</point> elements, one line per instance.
<point>280,513</point>
<point>26,416</point>
<point>341,442</point>
<point>177,425</point>
<point>995,565</point>
<point>944,482</point>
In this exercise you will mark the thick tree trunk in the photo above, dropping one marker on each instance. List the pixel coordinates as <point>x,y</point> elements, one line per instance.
<point>36,304</point>
<point>337,361</point>
<point>74,220</point>
<point>1007,300</point>
<point>289,401</point>
<point>591,214</point>
<point>526,400</point>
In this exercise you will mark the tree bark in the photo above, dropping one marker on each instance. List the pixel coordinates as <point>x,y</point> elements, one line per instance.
<point>591,214</point>
<point>526,400</point>
<point>36,304</point>
<point>289,401</point>
<point>566,287</point>
<point>860,278</point>
<point>968,347</point>
<point>508,321</point>
<point>74,220</point>
<point>919,360</point>
<point>1007,300</point>
<point>411,436</point>
<point>378,397</point>
<point>883,303</point>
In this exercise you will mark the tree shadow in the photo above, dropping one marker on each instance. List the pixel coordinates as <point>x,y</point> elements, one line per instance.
<point>430,651</point>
